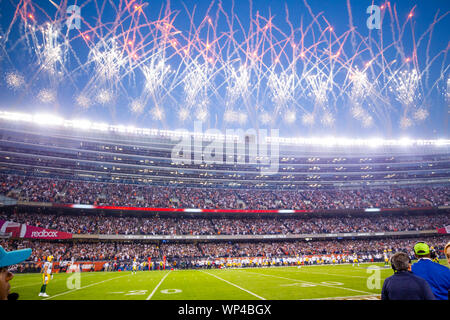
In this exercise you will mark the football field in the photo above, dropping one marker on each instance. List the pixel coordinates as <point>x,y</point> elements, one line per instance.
<point>274,283</point>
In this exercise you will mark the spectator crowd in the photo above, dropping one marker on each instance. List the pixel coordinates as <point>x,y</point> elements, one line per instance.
<point>126,250</point>
<point>34,189</point>
<point>155,225</point>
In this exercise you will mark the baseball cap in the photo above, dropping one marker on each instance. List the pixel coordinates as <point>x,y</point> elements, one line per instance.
<point>421,248</point>
<point>13,257</point>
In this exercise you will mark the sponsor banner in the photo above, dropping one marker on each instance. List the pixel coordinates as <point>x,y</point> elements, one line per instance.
<point>18,230</point>
<point>444,230</point>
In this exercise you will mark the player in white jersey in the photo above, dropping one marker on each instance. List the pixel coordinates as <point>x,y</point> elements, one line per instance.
<point>46,275</point>
<point>135,265</point>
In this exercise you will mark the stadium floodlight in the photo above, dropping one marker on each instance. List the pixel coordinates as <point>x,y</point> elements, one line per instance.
<point>326,142</point>
<point>13,116</point>
<point>286,211</point>
<point>442,142</point>
<point>375,142</point>
<point>47,119</point>
<point>405,142</point>
<point>100,126</point>
<point>83,206</point>
<point>80,124</point>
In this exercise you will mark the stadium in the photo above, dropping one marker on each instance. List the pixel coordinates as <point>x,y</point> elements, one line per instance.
<point>145,211</point>
<point>113,197</point>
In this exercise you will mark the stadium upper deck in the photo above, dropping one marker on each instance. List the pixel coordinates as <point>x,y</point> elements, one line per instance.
<point>53,147</point>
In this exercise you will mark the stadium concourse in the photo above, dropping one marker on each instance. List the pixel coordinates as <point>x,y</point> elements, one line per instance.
<point>111,196</point>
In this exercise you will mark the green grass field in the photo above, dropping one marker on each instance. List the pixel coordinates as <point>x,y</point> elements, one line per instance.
<point>275,283</point>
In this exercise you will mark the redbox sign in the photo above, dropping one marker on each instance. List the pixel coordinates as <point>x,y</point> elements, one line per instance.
<point>18,230</point>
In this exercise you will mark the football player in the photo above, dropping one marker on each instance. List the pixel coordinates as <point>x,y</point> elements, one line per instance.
<point>135,264</point>
<point>46,276</point>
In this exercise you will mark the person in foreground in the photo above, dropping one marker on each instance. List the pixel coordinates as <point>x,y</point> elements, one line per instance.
<point>8,259</point>
<point>447,253</point>
<point>403,284</point>
<point>437,275</point>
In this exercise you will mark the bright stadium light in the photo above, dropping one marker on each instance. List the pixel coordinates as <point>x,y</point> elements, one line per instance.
<point>100,126</point>
<point>80,124</point>
<point>405,142</point>
<point>326,142</point>
<point>375,142</point>
<point>48,119</point>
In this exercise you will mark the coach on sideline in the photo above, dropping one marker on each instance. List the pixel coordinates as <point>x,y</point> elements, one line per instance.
<point>403,284</point>
<point>7,259</point>
<point>437,276</point>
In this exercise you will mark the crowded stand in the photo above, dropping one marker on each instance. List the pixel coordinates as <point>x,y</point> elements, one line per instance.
<point>126,251</point>
<point>154,225</point>
<point>32,189</point>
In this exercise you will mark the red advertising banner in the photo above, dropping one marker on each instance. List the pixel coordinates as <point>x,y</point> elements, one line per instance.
<point>444,230</point>
<point>19,230</point>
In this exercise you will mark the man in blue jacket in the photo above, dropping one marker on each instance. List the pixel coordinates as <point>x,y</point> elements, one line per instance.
<point>437,276</point>
<point>404,285</point>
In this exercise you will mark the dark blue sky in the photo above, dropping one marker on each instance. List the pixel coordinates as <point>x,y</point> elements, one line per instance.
<point>20,55</point>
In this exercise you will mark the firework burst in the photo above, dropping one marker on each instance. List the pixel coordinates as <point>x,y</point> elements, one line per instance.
<point>253,71</point>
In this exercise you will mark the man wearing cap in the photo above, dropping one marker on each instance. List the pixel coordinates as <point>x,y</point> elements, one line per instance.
<point>7,259</point>
<point>403,284</point>
<point>437,276</point>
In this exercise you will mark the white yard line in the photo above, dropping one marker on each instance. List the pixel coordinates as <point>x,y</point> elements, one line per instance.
<point>156,288</point>
<point>90,285</point>
<point>315,283</point>
<point>39,283</point>
<point>235,285</point>
<point>339,275</point>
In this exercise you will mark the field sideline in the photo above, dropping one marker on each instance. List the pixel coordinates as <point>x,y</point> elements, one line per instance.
<point>275,283</point>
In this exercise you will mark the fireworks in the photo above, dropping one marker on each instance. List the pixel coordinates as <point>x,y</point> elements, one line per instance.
<point>230,116</point>
<point>51,50</point>
<point>308,119</point>
<point>137,107</point>
<point>290,116</point>
<point>157,113</point>
<point>405,85</point>
<point>108,60</point>
<point>240,81</point>
<point>328,119</point>
<point>202,114</point>
<point>306,75</point>
<point>282,87</point>
<point>104,97</point>
<point>83,101</point>
<point>47,96</point>
<point>14,80</point>
<point>183,114</point>
<point>265,118</point>
<point>155,73</point>
<point>405,122</point>
<point>421,114</point>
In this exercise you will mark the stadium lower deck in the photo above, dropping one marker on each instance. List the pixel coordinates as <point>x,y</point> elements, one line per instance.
<point>324,217</point>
